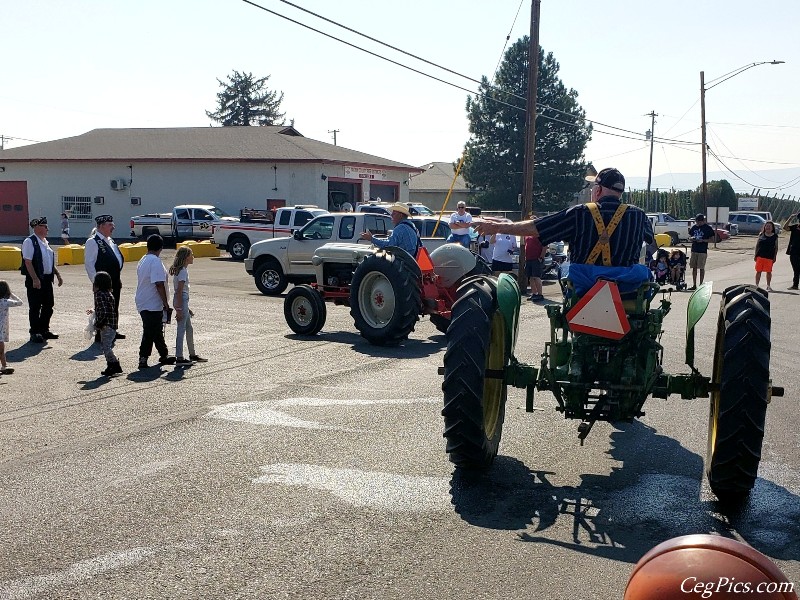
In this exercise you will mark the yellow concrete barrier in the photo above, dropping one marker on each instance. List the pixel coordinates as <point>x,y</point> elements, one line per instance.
<point>200,249</point>
<point>663,239</point>
<point>71,254</point>
<point>133,252</point>
<point>10,258</point>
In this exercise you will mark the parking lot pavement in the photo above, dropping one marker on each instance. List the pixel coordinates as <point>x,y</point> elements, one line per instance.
<point>291,467</point>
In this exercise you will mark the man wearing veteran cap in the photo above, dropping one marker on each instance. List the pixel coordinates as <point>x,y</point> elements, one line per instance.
<point>102,254</point>
<point>603,232</point>
<point>39,268</point>
<point>404,235</point>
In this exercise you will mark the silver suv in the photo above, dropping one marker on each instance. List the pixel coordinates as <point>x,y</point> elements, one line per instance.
<point>750,223</point>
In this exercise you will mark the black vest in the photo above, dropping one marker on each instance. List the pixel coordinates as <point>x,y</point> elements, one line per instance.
<point>37,260</point>
<point>107,260</point>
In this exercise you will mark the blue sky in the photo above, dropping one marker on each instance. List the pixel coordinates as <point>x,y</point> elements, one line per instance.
<point>72,67</point>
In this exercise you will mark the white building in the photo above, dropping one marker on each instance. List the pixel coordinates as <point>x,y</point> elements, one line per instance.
<point>126,172</point>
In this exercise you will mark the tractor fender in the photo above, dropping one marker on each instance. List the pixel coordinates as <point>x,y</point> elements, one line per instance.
<point>409,260</point>
<point>698,304</point>
<point>508,303</point>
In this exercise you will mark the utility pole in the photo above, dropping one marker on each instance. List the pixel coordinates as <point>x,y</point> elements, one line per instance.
<point>651,134</point>
<point>703,138</point>
<point>530,131</point>
<point>334,132</point>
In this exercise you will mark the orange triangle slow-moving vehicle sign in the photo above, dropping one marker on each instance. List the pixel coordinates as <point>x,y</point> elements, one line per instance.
<point>600,312</point>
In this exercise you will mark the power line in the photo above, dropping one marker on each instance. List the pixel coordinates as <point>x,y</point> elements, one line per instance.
<point>452,71</point>
<point>788,184</point>
<point>508,37</point>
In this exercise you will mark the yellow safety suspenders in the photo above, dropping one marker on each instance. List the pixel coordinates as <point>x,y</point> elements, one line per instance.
<point>604,233</point>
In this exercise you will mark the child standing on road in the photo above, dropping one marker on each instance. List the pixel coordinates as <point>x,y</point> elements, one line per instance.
<point>180,283</point>
<point>766,252</point>
<point>105,321</point>
<point>6,299</point>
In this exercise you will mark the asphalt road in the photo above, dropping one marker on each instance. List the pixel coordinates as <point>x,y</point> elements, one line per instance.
<point>291,467</point>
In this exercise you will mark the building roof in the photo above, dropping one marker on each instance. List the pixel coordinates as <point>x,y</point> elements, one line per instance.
<point>437,176</point>
<point>274,143</point>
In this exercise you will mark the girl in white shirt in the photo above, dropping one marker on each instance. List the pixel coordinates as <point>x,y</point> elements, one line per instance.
<point>180,302</point>
<point>7,299</point>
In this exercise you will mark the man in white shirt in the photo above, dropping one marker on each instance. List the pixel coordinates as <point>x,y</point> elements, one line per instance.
<point>505,246</point>
<point>102,254</point>
<point>39,268</point>
<point>459,225</point>
<point>152,293</point>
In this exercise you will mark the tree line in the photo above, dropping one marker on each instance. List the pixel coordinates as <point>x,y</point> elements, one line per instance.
<point>494,152</point>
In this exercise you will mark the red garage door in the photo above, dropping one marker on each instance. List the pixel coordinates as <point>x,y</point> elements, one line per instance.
<point>14,208</point>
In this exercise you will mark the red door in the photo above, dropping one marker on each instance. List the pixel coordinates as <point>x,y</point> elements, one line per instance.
<point>14,208</point>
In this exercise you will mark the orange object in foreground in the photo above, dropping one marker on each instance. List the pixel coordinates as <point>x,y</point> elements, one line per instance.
<point>707,566</point>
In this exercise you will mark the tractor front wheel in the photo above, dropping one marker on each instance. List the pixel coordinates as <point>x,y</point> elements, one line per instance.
<point>740,392</point>
<point>385,299</point>
<point>304,310</point>
<point>474,389</point>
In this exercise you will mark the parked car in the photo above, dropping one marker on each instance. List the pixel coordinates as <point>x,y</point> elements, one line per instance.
<point>254,226</point>
<point>186,221</point>
<point>665,223</point>
<point>426,225</point>
<point>382,208</point>
<point>750,223</point>
<point>765,214</point>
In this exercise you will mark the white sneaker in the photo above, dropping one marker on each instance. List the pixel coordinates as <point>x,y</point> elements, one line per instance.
<point>769,289</point>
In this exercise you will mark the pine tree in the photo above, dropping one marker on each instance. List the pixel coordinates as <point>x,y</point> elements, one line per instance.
<point>496,148</point>
<point>245,100</point>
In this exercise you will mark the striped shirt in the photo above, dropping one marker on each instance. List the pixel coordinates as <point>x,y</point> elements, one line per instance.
<point>575,226</point>
<point>404,235</point>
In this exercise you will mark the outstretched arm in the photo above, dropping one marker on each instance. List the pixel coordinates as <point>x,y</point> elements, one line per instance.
<point>491,227</point>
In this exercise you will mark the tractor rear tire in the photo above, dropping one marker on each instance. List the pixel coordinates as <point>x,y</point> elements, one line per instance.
<point>304,310</point>
<point>385,299</point>
<point>739,399</point>
<point>441,323</point>
<point>474,405</point>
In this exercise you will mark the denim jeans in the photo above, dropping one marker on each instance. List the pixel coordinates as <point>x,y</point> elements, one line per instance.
<point>185,329</point>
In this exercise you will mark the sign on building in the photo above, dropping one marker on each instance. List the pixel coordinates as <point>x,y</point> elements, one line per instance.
<point>351,172</point>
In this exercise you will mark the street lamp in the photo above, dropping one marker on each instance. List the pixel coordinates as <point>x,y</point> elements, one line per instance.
<point>703,89</point>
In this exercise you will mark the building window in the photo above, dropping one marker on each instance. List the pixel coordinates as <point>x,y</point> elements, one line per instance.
<point>79,208</point>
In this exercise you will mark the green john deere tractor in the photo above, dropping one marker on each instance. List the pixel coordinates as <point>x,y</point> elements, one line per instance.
<point>598,375</point>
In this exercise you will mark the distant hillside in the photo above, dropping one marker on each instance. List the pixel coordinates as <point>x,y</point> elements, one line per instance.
<point>690,181</point>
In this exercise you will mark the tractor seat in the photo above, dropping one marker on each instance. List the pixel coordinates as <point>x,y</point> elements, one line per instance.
<point>628,279</point>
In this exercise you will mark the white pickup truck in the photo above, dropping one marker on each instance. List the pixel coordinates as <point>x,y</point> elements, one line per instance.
<point>256,225</point>
<point>278,262</point>
<point>186,221</point>
<point>666,223</point>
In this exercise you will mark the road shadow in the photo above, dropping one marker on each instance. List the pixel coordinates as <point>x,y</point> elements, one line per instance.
<point>408,348</point>
<point>95,383</point>
<point>88,354</point>
<point>27,350</point>
<point>656,493</point>
<point>146,375</point>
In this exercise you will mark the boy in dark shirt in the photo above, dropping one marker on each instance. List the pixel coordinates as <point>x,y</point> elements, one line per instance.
<point>105,320</point>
